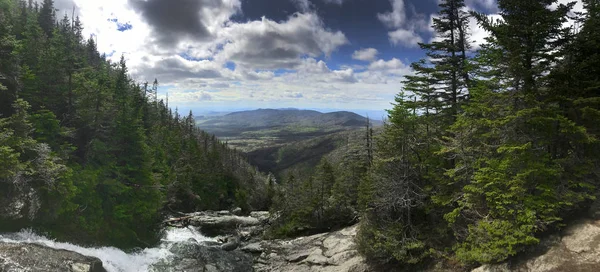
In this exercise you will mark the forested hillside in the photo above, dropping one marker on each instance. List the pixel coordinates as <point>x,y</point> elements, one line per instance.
<point>282,141</point>
<point>486,149</point>
<point>485,152</point>
<point>87,153</point>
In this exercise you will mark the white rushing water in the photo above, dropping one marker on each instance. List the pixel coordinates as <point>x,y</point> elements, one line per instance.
<point>114,259</point>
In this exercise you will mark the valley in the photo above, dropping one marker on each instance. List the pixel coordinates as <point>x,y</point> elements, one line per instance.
<point>283,141</point>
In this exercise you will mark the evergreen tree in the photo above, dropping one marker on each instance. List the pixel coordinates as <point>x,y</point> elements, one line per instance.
<point>47,17</point>
<point>97,152</point>
<point>440,83</point>
<point>508,141</point>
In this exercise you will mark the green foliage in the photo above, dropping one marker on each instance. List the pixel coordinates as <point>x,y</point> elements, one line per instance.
<point>495,240</point>
<point>326,200</point>
<point>96,156</point>
<point>477,178</point>
<point>389,244</point>
<point>30,168</point>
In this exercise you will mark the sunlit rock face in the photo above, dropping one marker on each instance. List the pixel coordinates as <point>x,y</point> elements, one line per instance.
<point>335,252</point>
<point>33,257</point>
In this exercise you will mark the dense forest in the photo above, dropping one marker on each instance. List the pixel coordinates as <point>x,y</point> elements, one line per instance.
<point>87,153</point>
<point>485,150</point>
<point>487,147</point>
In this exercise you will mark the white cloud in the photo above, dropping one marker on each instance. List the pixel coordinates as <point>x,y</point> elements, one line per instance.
<point>367,54</point>
<point>259,49</point>
<point>406,38</point>
<point>489,6</point>
<point>267,44</point>
<point>393,64</point>
<point>478,34</point>
<point>312,66</point>
<point>395,18</point>
<point>406,30</point>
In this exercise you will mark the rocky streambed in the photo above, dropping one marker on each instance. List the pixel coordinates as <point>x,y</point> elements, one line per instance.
<point>204,241</point>
<point>225,241</point>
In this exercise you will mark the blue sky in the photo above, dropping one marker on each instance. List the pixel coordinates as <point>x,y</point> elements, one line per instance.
<point>227,55</point>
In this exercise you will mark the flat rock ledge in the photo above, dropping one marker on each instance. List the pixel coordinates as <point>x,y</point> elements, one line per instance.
<point>327,252</point>
<point>38,258</point>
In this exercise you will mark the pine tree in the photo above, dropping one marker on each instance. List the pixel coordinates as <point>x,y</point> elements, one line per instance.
<point>8,67</point>
<point>392,229</point>
<point>47,17</point>
<point>440,83</point>
<point>513,181</point>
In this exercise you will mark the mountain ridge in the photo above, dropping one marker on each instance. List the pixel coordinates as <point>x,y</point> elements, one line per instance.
<point>271,118</point>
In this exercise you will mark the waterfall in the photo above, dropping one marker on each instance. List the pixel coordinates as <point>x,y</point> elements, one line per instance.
<point>114,259</point>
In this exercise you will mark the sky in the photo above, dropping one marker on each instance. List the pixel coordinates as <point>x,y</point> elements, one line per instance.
<point>228,55</point>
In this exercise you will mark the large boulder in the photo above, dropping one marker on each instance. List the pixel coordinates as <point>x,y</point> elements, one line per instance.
<point>221,223</point>
<point>38,258</point>
<point>327,252</point>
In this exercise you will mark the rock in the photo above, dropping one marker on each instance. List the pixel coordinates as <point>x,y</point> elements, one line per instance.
<point>492,268</point>
<point>327,252</point>
<point>262,216</point>
<point>198,258</point>
<point>296,257</point>
<point>232,244</point>
<point>80,267</point>
<point>33,257</point>
<point>237,211</point>
<point>213,224</point>
<point>222,213</point>
<point>578,250</point>
<point>316,257</point>
<point>210,243</point>
<point>254,248</point>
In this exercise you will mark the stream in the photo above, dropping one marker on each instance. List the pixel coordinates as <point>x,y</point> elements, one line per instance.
<point>114,259</point>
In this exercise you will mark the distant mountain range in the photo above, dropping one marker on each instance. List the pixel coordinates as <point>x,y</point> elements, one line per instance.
<point>281,121</point>
<point>284,140</point>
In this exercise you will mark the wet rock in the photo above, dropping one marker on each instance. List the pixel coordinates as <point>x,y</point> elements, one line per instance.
<point>237,211</point>
<point>262,216</point>
<point>210,243</point>
<point>232,244</point>
<point>33,257</point>
<point>198,258</point>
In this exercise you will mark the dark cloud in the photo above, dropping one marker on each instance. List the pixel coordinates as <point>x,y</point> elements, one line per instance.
<point>172,21</point>
<point>173,69</point>
<point>267,44</point>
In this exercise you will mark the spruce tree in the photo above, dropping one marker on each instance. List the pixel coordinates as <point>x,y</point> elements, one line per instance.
<point>513,183</point>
